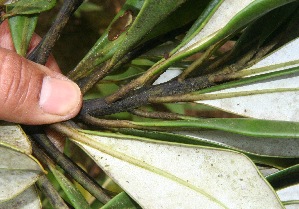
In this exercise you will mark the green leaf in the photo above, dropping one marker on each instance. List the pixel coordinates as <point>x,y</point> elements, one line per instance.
<point>111,40</point>
<point>279,147</point>
<point>18,171</point>
<point>151,13</point>
<point>22,28</point>
<point>28,199</point>
<point>200,22</point>
<point>147,172</point>
<point>26,7</point>
<point>104,48</point>
<point>244,126</point>
<point>121,201</point>
<point>284,178</point>
<point>261,30</point>
<point>74,195</point>
<point>185,14</point>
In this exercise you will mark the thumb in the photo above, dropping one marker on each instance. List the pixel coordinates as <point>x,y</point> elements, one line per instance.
<point>33,94</point>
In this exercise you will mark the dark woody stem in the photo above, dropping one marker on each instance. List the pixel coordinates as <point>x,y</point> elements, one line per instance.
<point>143,96</point>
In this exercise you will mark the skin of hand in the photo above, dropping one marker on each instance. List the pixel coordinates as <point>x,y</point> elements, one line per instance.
<point>31,93</point>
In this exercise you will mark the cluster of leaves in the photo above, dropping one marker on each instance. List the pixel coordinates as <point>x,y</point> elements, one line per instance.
<point>238,56</point>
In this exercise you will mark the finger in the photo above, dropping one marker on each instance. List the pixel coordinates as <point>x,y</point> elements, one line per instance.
<point>34,94</point>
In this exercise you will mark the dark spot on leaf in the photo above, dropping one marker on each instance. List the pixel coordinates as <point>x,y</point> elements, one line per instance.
<point>120,25</point>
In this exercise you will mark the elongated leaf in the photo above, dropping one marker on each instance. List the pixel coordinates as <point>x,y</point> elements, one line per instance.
<point>259,32</point>
<point>104,48</point>
<point>197,179</point>
<point>263,146</point>
<point>151,13</point>
<point>26,200</point>
<point>244,126</point>
<point>200,22</point>
<point>70,190</point>
<point>184,14</point>
<point>12,135</point>
<point>22,28</point>
<point>276,98</point>
<point>18,172</point>
<point>284,178</point>
<point>25,7</point>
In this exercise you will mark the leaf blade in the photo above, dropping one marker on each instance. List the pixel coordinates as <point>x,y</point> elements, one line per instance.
<point>152,154</point>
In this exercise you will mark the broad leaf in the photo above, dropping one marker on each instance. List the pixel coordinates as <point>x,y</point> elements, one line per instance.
<point>165,175</point>
<point>12,135</point>
<point>276,98</point>
<point>18,171</point>
<point>28,199</point>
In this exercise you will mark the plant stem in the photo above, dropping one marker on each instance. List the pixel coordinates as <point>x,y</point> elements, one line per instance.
<point>72,169</point>
<point>99,107</point>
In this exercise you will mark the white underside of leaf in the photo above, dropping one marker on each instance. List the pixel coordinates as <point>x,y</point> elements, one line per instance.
<point>12,135</point>
<point>226,11</point>
<point>26,200</point>
<point>18,172</point>
<point>280,104</point>
<point>262,146</point>
<point>184,177</point>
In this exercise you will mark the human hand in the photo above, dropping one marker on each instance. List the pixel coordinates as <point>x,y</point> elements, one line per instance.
<point>31,93</point>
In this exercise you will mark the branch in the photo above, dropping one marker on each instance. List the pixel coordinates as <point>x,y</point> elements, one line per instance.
<point>72,169</point>
<point>42,51</point>
<point>99,107</point>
